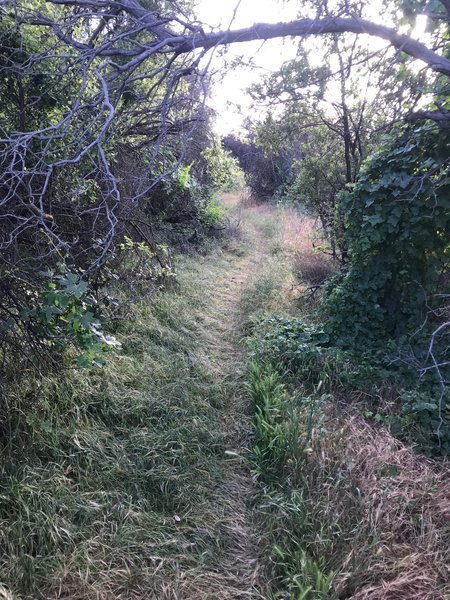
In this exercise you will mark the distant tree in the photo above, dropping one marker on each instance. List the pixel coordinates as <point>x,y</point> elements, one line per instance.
<point>331,116</point>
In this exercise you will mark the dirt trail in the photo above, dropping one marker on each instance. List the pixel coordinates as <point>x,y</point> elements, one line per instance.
<point>226,353</point>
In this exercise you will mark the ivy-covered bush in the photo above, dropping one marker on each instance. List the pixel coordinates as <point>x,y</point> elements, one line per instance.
<point>397,228</point>
<point>389,302</point>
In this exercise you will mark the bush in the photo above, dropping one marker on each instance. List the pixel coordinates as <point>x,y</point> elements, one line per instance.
<point>303,349</point>
<point>212,213</point>
<point>397,230</point>
<point>426,418</point>
<point>263,174</point>
<point>418,413</point>
<point>223,169</point>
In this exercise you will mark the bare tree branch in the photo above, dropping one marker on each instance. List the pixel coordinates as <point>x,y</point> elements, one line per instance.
<point>182,43</point>
<point>439,116</point>
<point>302,27</point>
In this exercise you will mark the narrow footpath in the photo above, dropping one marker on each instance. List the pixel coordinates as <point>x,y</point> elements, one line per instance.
<point>245,276</point>
<point>240,574</point>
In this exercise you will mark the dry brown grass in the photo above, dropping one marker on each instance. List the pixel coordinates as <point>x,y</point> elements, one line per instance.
<point>311,265</point>
<point>400,545</point>
<point>299,232</point>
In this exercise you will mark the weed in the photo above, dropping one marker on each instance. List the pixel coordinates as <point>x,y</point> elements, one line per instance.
<point>284,431</point>
<point>212,213</point>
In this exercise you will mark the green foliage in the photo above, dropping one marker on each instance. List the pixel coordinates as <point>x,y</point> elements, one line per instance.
<point>286,338</point>
<point>307,353</point>
<point>222,168</point>
<point>66,313</point>
<point>319,178</point>
<point>212,213</point>
<point>183,177</point>
<point>283,427</point>
<point>397,229</point>
<point>30,98</point>
<point>199,182</point>
<point>434,9</point>
<point>425,416</point>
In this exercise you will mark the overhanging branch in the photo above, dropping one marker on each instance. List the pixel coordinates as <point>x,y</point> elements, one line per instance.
<point>302,27</point>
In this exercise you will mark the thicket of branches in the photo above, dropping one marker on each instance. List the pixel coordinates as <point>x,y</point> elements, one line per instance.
<point>99,124</point>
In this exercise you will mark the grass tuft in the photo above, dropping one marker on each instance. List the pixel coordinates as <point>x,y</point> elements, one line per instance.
<point>284,430</point>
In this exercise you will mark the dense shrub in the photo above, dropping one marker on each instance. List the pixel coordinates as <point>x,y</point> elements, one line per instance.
<point>308,354</point>
<point>263,174</point>
<point>397,221</point>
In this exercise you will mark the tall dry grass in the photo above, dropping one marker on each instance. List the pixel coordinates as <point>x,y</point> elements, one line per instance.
<point>312,263</point>
<point>400,546</point>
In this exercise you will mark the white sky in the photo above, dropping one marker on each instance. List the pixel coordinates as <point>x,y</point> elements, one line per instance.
<point>229,97</point>
<point>230,87</point>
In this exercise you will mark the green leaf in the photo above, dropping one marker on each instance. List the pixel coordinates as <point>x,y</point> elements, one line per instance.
<point>374,219</point>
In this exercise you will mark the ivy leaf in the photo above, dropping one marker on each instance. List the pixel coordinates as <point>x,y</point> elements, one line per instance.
<point>373,219</point>
<point>87,319</point>
<point>404,180</point>
<point>52,310</point>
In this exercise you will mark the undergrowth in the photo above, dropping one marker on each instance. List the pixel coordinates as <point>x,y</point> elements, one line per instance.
<point>389,390</point>
<point>131,481</point>
<point>343,508</point>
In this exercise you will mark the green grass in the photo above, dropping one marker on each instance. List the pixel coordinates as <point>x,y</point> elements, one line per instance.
<point>269,227</point>
<point>262,291</point>
<point>284,430</point>
<point>113,480</point>
<point>265,291</point>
